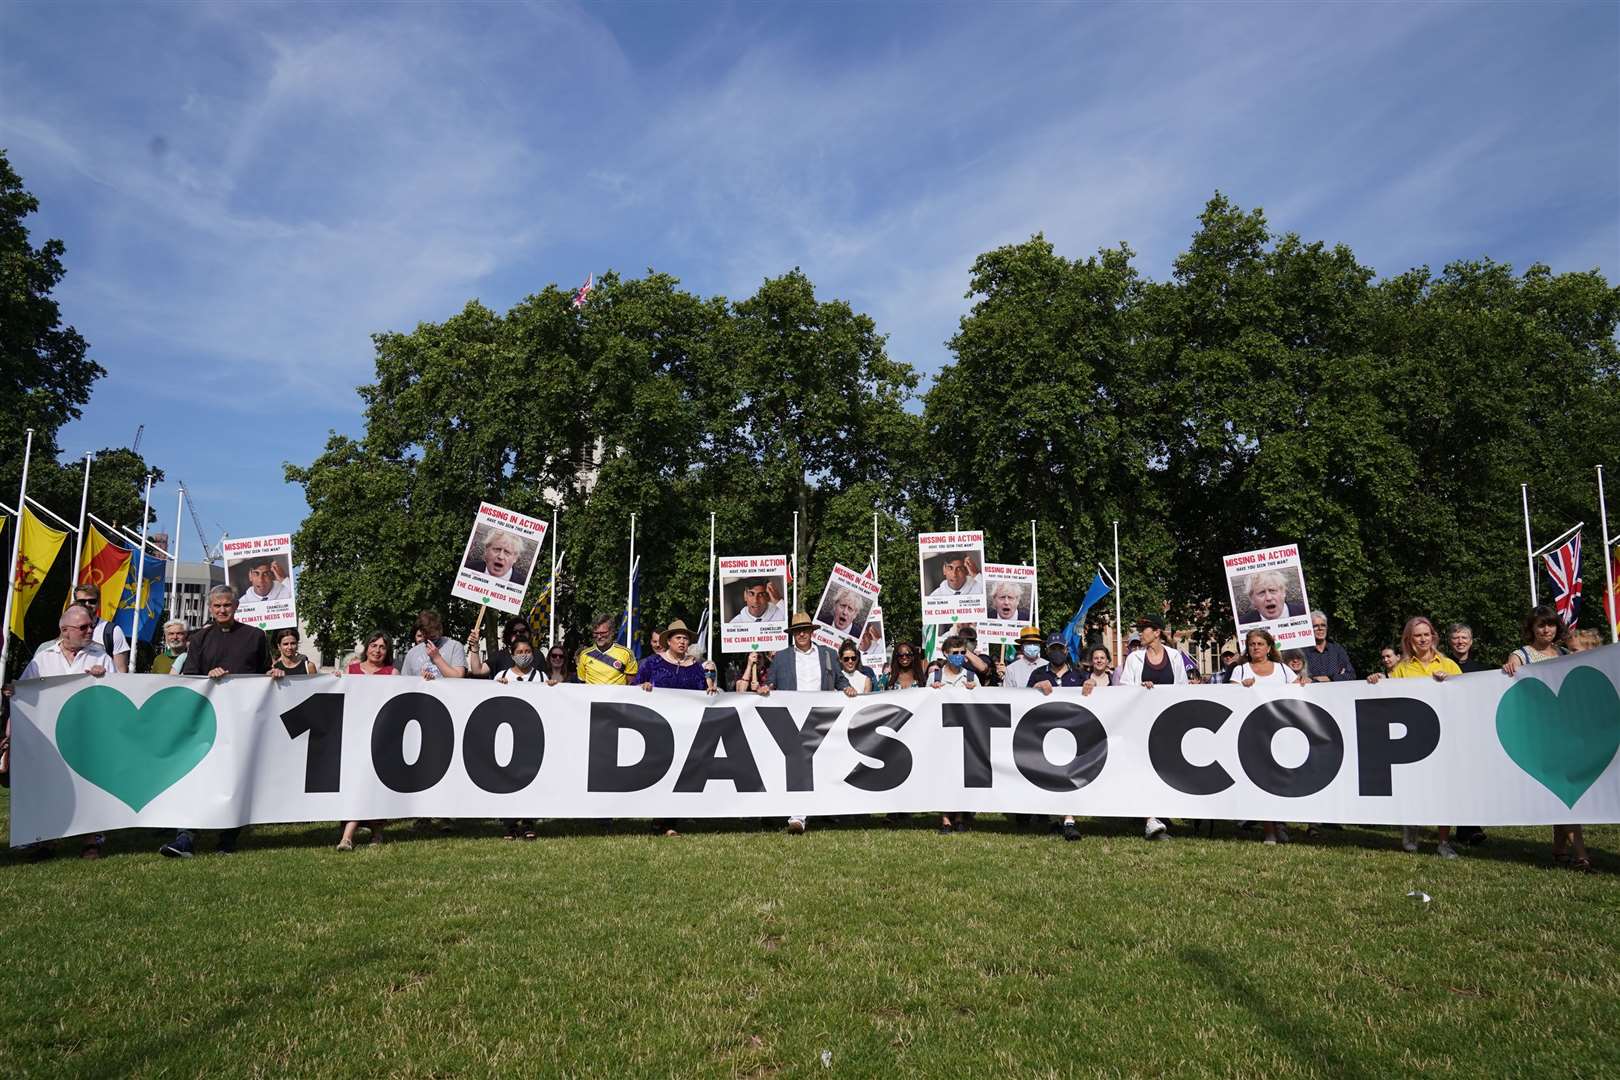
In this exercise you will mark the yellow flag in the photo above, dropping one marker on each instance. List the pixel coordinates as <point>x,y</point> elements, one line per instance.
<point>40,546</point>
<point>105,565</point>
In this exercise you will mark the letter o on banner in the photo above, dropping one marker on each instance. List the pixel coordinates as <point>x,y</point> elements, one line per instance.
<point>1321,763</point>
<point>1090,746</point>
<point>388,742</point>
<point>528,745</point>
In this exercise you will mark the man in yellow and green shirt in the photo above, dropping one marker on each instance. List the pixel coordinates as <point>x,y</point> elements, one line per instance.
<point>607,663</point>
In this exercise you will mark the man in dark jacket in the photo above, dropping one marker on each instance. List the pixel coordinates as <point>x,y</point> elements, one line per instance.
<point>223,647</point>
<point>803,665</point>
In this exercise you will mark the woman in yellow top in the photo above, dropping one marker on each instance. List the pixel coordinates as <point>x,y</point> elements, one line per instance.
<point>1420,659</point>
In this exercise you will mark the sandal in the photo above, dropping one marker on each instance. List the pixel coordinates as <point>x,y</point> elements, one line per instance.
<point>529,834</point>
<point>1582,864</point>
<point>511,832</point>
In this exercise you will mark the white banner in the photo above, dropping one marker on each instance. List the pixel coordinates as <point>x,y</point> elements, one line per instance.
<point>1009,593</point>
<point>259,568</point>
<point>499,558</point>
<point>1268,593</point>
<point>753,603</point>
<point>158,751</point>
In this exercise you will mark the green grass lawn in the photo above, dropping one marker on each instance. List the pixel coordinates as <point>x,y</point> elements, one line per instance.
<point>737,951</point>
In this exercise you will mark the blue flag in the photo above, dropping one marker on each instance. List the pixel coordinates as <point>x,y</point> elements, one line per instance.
<point>154,594</point>
<point>1073,633</point>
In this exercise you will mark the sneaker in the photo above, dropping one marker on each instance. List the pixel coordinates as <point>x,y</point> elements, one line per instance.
<point>1155,829</point>
<point>1282,835</point>
<point>345,845</point>
<point>227,842</point>
<point>1272,840</point>
<point>795,826</point>
<point>1446,851</point>
<point>178,848</point>
<point>1070,832</point>
<point>1408,838</point>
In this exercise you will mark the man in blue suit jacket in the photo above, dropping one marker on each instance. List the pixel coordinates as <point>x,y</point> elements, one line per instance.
<point>803,665</point>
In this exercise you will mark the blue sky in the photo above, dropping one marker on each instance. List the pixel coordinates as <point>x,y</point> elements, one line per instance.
<point>248,191</point>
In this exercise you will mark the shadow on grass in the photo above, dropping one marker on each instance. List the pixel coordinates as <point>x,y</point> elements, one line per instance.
<point>1316,1049</point>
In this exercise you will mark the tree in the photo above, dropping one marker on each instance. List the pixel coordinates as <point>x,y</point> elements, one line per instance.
<point>45,374</point>
<point>650,401</point>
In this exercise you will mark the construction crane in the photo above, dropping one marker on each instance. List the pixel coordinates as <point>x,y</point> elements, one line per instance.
<point>209,554</point>
<point>135,447</point>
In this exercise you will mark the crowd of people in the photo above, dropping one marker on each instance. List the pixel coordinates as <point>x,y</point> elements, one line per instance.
<point>87,644</point>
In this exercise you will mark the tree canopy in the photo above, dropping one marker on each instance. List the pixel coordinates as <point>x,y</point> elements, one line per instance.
<point>1273,389</point>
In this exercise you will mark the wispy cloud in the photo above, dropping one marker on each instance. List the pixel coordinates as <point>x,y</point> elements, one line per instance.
<point>256,189</point>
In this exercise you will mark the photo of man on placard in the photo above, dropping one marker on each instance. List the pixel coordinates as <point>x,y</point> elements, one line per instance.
<point>749,600</point>
<point>953,573</point>
<point>260,579</point>
<point>1269,595</point>
<point>1009,601</point>
<point>843,611</point>
<point>499,554</point>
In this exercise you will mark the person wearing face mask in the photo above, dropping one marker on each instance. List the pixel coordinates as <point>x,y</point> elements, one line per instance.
<point>1029,659</point>
<point>521,667</point>
<point>1058,672</point>
<point>954,673</point>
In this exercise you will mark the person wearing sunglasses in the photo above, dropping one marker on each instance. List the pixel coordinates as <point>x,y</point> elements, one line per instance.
<point>854,677</point>
<point>559,667</point>
<point>906,670</point>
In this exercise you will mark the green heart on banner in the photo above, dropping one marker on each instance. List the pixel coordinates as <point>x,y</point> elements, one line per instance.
<point>1563,740</point>
<point>135,754</point>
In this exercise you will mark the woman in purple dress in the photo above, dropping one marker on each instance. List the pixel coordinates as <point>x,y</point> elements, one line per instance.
<point>675,668</point>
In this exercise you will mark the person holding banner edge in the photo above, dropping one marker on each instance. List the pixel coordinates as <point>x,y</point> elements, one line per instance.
<point>1542,628</point>
<point>436,655</point>
<point>1029,659</point>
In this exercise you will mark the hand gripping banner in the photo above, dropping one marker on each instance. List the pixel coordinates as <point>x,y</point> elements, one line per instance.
<point>126,751</point>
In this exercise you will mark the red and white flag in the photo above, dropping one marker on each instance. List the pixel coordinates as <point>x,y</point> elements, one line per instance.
<point>584,291</point>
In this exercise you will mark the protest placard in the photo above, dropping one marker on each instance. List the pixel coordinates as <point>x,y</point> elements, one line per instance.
<point>259,569</point>
<point>846,603</point>
<point>499,558</point>
<point>753,603</point>
<point>950,567</point>
<point>1268,592</point>
<point>1009,593</point>
<point>874,647</point>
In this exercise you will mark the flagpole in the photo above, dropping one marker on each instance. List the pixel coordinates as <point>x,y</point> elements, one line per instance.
<point>140,579</point>
<point>84,508</point>
<point>174,589</point>
<point>1035,589</point>
<point>551,613</point>
<point>16,549</point>
<point>1529,545</point>
<point>1119,625</point>
<point>630,602</point>
<point>708,597</point>
<point>1608,565</point>
<point>874,546</point>
<point>795,561</point>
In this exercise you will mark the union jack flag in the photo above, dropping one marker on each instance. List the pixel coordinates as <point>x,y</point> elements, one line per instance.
<point>584,291</point>
<point>1564,566</point>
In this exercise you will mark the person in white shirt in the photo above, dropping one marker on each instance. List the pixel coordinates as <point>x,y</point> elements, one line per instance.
<point>961,576</point>
<point>759,606</point>
<point>803,665</point>
<point>1029,659</point>
<point>72,653</point>
<point>265,583</point>
<point>109,636</point>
